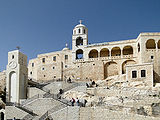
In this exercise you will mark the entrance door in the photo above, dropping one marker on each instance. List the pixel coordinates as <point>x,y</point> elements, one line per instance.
<point>13,90</point>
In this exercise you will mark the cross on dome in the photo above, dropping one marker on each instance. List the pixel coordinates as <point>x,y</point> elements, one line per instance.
<point>80,21</point>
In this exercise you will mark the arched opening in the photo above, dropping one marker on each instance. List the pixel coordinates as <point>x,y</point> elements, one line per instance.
<point>138,47</point>
<point>158,44</point>
<point>104,52</point>
<point>79,41</point>
<point>13,84</point>
<point>127,50</point>
<point>127,62</point>
<point>150,44</point>
<point>93,53</point>
<point>79,54</point>
<point>116,51</point>
<point>110,69</point>
<point>2,116</point>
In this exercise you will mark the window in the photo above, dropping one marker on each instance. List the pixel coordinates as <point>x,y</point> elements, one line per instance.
<point>12,56</point>
<point>66,57</point>
<point>31,73</point>
<point>53,67</point>
<point>43,68</point>
<point>84,31</point>
<point>134,74</point>
<point>54,76</point>
<point>143,73</point>
<point>44,75</point>
<point>66,66</point>
<point>152,57</point>
<point>54,58</point>
<point>79,30</point>
<point>32,64</point>
<point>43,60</point>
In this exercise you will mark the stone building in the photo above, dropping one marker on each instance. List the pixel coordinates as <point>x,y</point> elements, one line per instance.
<point>137,58</point>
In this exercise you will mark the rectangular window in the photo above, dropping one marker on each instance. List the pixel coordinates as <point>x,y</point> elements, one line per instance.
<point>43,60</point>
<point>66,57</point>
<point>152,57</point>
<point>134,74</point>
<point>143,73</point>
<point>54,58</point>
<point>32,64</point>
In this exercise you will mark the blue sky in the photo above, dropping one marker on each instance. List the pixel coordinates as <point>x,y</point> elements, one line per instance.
<point>42,26</point>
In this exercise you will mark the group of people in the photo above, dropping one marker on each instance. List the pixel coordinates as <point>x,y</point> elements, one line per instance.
<point>77,102</point>
<point>91,84</point>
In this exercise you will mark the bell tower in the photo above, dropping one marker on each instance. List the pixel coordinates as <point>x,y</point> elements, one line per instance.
<point>79,38</point>
<point>17,77</point>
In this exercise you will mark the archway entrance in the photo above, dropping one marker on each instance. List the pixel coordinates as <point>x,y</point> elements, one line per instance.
<point>127,62</point>
<point>110,69</point>
<point>13,91</point>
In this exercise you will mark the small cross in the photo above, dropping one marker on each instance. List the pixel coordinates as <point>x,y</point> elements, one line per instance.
<point>80,21</point>
<point>18,47</point>
<point>66,45</point>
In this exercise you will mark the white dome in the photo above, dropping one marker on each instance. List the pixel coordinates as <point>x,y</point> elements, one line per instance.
<point>64,49</point>
<point>80,25</point>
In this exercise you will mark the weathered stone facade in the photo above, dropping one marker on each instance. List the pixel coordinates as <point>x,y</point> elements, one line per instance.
<point>99,61</point>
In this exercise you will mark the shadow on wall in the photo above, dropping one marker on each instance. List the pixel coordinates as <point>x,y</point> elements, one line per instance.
<point>156,78</point>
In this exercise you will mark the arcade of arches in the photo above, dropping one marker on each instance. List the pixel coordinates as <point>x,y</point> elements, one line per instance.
<point>115,51</point>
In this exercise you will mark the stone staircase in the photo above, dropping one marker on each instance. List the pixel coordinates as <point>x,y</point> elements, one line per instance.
<point>49,112</point>
<point>30,112</point>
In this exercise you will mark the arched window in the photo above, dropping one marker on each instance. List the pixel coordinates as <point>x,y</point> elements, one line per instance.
<point>159,44</point>
<point>116,51</point>
<point>79,41</point>
<point>79,54</point>
<point>79,30</point>
<point>84,31</point>
<point>104,52</point>
<point>127,50</point>
<point>138,47</point>
<point>93,53</point>
<point>150,44</point>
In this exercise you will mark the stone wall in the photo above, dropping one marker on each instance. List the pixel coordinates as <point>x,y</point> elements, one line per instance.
<point>88,113</point>
<point>67,113</point>
<point>2,80</point>
<point>146,80</point>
